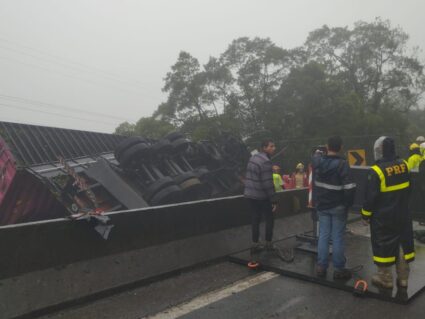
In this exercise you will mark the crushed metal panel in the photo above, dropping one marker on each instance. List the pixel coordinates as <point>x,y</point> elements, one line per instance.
<point>102,172</point>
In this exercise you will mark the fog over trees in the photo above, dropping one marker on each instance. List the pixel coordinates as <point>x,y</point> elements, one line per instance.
<point>359,81</point>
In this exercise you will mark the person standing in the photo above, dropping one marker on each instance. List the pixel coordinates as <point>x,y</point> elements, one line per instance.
<point>333,194</point>
<point>260,190</point>
<point>299,177</point>
<point>386,210</point>
<point>415,156</point>
<point>277,179</point>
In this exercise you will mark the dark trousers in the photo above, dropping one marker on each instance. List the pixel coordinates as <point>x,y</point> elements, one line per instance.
<point>258,209</point>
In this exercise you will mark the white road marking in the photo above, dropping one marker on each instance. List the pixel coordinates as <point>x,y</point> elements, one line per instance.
<point>213,296</point>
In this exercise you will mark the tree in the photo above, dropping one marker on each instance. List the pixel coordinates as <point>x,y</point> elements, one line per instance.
<point>359,81</point>
<point>126,129</point>
<point>255,70</point>
<point>185,84</point>
<point>372,60</point>
<point>153,128</point>
<point>311,103</point>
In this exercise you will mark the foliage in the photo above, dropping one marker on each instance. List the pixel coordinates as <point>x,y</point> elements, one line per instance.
<point>357,82</point>
<point>372,60</point>
<point>147,127</point>
<point>126,129</point>
<point>153,128</point>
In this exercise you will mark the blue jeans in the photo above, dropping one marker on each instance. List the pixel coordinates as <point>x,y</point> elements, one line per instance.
<point>332,224</point>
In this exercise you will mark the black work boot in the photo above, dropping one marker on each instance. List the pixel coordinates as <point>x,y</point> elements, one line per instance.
<point>342,273</point>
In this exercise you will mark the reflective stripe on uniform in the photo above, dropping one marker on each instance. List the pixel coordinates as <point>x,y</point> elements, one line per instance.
<point>384,187</point>
<point>349,186</point>
<point>366,213</point>
<point>384,260</point>
<point>335,187</point>
<point>409,256</point>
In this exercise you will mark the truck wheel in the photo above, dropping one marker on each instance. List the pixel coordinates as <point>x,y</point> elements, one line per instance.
<point>157,186</point>
<point>174,136</point>
<point>127,143</point>
<point>134,154</point>
<point>168,195</point>
<point>180,145</point>
<point>195,190</point>
<point>162,147</point>
<point>184,177</point>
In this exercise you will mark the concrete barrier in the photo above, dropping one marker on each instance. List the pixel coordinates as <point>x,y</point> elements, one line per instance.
<point>46,264</point>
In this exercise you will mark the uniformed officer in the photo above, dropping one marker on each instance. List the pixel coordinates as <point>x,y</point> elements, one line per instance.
<point>386,209</point>
<point>415,156</point>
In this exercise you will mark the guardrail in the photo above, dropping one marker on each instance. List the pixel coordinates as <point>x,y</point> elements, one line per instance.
<point>49,263</point>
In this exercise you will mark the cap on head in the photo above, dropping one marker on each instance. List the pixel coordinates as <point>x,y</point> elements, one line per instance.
<point>378,148</point>
<point>420,139</point>
<point>384,147</point>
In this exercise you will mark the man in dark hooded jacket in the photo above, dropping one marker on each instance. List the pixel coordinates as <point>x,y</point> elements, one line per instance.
<point>386,209</point>
<point>333,194</point>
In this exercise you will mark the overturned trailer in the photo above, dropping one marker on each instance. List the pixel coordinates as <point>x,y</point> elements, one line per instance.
<point>48,173</point>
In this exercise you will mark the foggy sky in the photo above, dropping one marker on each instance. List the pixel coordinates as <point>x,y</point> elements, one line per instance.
<point>107,58</point>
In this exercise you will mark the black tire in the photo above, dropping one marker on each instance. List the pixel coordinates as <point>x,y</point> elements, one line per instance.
<point>190,183</point>
<point>174,136</point>
<point>193,189</point>
<point>180,145</point>
<point>168,195</point>
<point>202,173</point>
<point>210,151</point>
<point>184,177</point>
<point>157,186</point>
<point>127,143</point>
<point>162,147</point>
<point>134,154</point>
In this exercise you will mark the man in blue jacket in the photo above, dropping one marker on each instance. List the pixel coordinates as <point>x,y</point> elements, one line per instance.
<point>333,194</point>
<point>259,190</point>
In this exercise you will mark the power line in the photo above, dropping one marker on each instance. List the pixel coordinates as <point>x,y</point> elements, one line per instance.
<point>72,76</point>
<point>74,69</point>
<point>55,114</point>
<point>40,103</point>
<point>67,62</point>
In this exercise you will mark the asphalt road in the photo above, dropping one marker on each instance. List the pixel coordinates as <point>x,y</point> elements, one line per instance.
<point>227,290</point>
